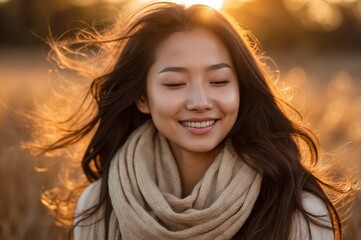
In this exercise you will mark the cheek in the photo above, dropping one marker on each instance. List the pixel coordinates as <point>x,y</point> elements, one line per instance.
<point>229,100</point>
<point>164,103</point>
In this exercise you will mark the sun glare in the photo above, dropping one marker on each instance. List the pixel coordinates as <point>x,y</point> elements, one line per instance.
<point>216,4</point>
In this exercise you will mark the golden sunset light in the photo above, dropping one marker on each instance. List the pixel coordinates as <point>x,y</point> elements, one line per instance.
<point>216,4</point>
<point>151,104</point>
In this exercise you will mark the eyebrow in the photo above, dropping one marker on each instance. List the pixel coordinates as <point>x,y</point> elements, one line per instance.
<point>184,70</point>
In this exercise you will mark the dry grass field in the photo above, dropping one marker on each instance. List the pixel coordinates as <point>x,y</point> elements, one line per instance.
<point>326,89</point>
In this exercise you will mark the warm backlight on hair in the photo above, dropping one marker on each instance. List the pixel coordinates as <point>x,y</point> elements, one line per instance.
<point>216,4</point>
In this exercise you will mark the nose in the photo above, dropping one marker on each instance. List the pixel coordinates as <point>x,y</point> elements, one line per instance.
<point>198,99</point>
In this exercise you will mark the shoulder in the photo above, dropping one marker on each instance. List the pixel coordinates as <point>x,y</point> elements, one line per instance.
<point>89,197</point>
<point>315,206</point>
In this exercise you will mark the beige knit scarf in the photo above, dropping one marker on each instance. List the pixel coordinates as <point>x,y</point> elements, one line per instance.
<point>145,191</point>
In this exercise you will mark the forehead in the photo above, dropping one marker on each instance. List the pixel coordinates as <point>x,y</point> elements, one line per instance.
<point>198,46</point>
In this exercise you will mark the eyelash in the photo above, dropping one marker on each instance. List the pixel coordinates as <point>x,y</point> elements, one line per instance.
<point>220,83</point>
<point>174,85</point>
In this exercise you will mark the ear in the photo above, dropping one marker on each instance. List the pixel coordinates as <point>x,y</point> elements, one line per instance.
<point>142,105</point>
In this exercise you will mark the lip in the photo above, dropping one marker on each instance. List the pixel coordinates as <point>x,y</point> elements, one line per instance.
<point>199,131</point>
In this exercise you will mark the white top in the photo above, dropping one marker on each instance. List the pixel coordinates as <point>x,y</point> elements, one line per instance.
<point>311,203</point>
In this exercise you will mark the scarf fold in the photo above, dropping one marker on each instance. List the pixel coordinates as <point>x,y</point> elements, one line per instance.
<point>146,192</point>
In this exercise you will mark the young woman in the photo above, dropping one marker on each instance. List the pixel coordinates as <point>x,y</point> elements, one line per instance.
<point>190,141</point>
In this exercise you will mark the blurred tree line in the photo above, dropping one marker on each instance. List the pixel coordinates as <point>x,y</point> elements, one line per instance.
<point>314,25</point>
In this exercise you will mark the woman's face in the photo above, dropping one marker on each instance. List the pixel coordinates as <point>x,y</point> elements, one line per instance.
<point>192,92</point>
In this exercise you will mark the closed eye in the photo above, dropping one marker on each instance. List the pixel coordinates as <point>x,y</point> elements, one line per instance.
<point>174,85</point>
<point>220,83</point>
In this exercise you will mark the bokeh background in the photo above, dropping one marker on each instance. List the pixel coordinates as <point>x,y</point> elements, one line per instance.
<point>316,45</point>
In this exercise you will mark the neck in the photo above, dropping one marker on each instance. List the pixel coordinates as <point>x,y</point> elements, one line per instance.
<point>192,167</point>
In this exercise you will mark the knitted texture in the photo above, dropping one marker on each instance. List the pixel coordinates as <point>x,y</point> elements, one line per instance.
<point>146,193</point>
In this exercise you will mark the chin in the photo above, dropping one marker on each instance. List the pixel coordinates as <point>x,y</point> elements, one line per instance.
<point>202,149</point>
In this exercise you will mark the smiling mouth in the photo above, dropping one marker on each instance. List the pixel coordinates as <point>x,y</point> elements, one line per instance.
<point>201,124</point>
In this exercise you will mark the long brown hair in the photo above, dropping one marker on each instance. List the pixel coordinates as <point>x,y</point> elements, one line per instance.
<point>278,148</point>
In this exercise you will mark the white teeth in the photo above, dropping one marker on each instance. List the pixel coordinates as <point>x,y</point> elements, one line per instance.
<point>199,124</point>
